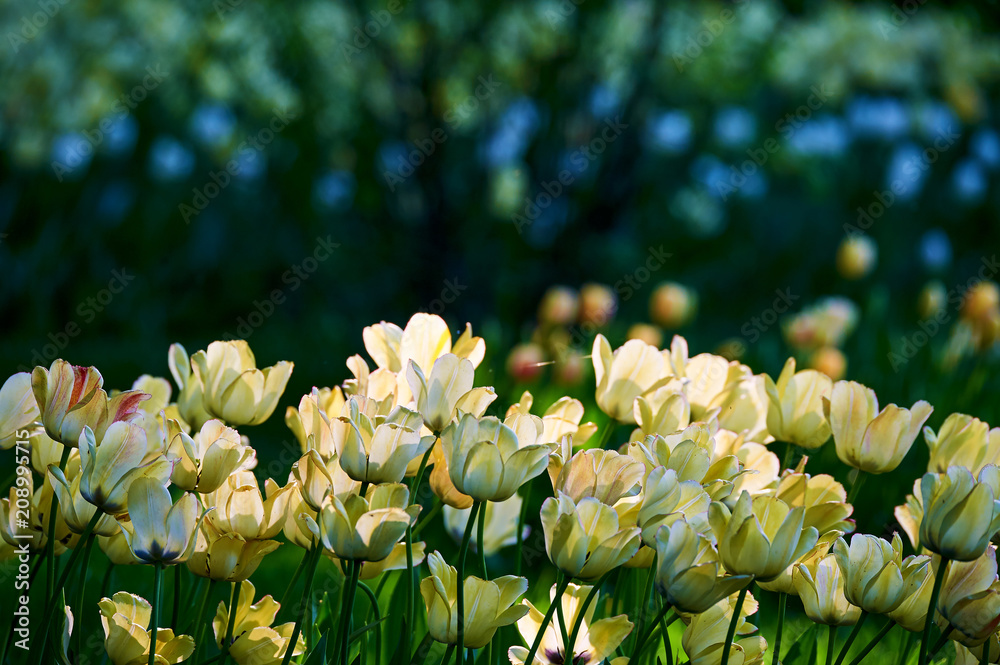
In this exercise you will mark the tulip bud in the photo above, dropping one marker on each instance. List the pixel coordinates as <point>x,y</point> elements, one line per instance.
<point>672,305</point>
<point>961,512</point>
<point>235,391</point>
<point>820,586</point>
<point>584,540</point>
<point>981,301</point>
<point>525,363</point>
<point>559,306</point>
<point>856,256</point>
<point>687,569</point>
<point>912,612</point>
<point>962,441</point>
<point>970,598</point>
<point>629,372</point>
<point>830,361</point>
<point>647,333</point>
<point>598,305</point>
<point>873,569</point>
<point>795,412</point>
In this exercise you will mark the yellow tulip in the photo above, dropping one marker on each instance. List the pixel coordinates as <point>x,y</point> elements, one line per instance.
<point>602,474</point>
<point>109,469</point>
<point>296,527</point>
<point>785,582</point>
<point>665,499</point>
<point>761,536</point>
<point>500,529</point>
<point>488,605</point>
<point>705,636</point>
<point>241,509</point>
<point>911,514</point>
<point>227,557</point>
<point>235,391</point>
<point>584,540</point>
<point>205,461</point>
<point>71,398</point>
<point>687,573</point>
<point>366,528</point>
<point>160,532</point>
<point>486,460</point>
<point>563,419</point>
<point>631,371</point>
<point>820,586</point>
<point>966,656</point>
<point>191,396</point>
<point>873,570</point>
<point>395,561</point>
<point>824,499</point>
<point>440,481</point>
<point>866,438</point>
<point>962,441</point>
<point>761,468</point>
<point>125,617</point>
<point>970,599</point>
<point>18,409</point>
<point>254,641</point>
<point>961,513</point>
<point>691,459</point>
<point>318,477</point>
<point>379,452</point>
<point>662,411</point>
<point>795,414</point>
<point>116,548</point>
<point>312,424</point>
<point>45,452</point>
<point>595,641</point>
<point>75,509</point>
<point>447,391</point>
<point>425,339</point>
<point>912,612</point>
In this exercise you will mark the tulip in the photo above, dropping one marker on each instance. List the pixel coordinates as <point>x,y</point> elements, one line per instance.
<point>191,396</point>
<point>632,370</point>
<point>126,617</point>
<point>961,514</point>
<point>856,256</point>
<point>425,339</point>
<point>116,548</point>
<point>598,304</point>
<point>296,527</point>
<point>318,477</point>
<point>366,528</point>
<point>873,570</point>
<point>761,536</point>
<point>489,605</point>
<point>70,398</point>
<point>500,528</point>
<point>562,419</point>
<point>109,469</point>
<point>664,411</point>
<point>691,460</point>
<point>584,540</point>
<point>374,452</point>
<point>40,510</point>
<point>912,612</point>
<point>795,414</point>
<point>602,474</point>
<point>441,484</point>
<point>823,497</point>
<point>75,509</point>
<point>672,305</point>
<point>820,586</point>
<point>665,500</point>
<point>160,532</point>
<point>254,641</point>
<point>227,556</point>
<point>704,639</point>
<point>646,333</point>
<point>18,409</point>
<point>785,583</point>
<point>45,452</point>
<point>866,438</point>
<point>206,460</point>
<point>970,599</point>
<point>962,441</point>
<point>830,361</point>
<point>595,640</point>
<point>241,509</point>
<point>486,460</point>
<point>687,575</point>
<point>447,391</point>
<point>761,467</point>
<point>311,422</point>
<point>559,306</point>
<point>235,391</point>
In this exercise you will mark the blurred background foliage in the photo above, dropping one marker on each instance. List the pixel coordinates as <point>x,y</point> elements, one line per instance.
<point>747,140</point>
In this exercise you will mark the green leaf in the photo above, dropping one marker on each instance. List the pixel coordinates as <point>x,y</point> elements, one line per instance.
<point>318,654</point>
<point>803,651</point>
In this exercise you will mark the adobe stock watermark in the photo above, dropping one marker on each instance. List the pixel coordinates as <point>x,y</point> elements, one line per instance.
<point>122,107</point>
<point>580,159</point>
<point>293,278</point>
<point>21,518</point>
<point>900,16</point>
<point>87,311</point>
<point>912,171</point>
<point>785,127</point>
<point>704,38</point>
<point>31,25</point>
<point>406,165</point>
<point>202,196</point>
<point>365,33</point>
<point>911,344</point>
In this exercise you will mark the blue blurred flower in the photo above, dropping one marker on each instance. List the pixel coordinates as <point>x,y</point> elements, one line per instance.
<point>735,126</point>
<point>509,141</point>
<point>878,117</point>
<point>907,171</point>
<point>121,137</point>
<point>604,100</point>
<point>252,164</point>
<point>71,155</point>
<point>935,119</point>
<point>170,160</point>
<point>823,135</point>
<point>212,124</point>
<point>985,145</point>
<point>969,180</point>
<point>935,249</point>
<point>670,131</point>
<point>334,190</point>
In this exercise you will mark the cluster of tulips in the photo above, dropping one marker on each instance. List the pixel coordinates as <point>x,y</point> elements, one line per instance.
<point>695,505</point>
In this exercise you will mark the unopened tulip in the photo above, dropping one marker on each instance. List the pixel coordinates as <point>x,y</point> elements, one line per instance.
<point>584,540</point>
<point>829,360</point>
<point>665,499</point>
<point>824,499</point>
<point>235,391</point>
<point>856,256</point>
<point>598,304</point>
<point>867,439</point>
<point>488,605</point>
<point>912,612</point>
<point>318,477</point>
<point>311,422</point>
<point>602,474</point>
<point>761,536</point>
<point>595,642</point>
<point>205,461</point>
<point>75,509</point>
<point>227,556</point>
<point>559,306</point>
<point>970,598</point>
<point>71,398</point>
<point>379,452</point>
<point>240,507</point>
<point>795,414</point>
<point>160,532</point>
<point>254,641</point>
<point>366,528</point>
<point>625,374</point>
<point>785,582</point>
<point>191,393</point>
<point>446,391</point>
<point>873,572</point>
<point>672,305</point>
<point>18,409</point>
<point>662,412</point>
<point>820,586</point>
<point>126,617</point>
<point>109,469</point>
<point>962,441</point>
<point>691,460</point>
<point>961,512</point>
<point>687,574</point>
<point>704,638</point>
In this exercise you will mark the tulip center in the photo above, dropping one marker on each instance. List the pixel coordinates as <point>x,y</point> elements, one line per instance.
<point>557,658</point>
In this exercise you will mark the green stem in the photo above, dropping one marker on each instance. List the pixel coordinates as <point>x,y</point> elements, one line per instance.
<point>234,603</point>
<point>373,605</point>
<point>644,639</point>
<point>563,631</point>
<point>347,612</point>
<point>942,641</point>
<point>50,542</point>
<point>782,601</point>
<point>732,624</point>
<point>853,636</point>
<point>878,638</point>
<point>932,610</point>
<point>460,584</point>
<point>412,584</point>
<point>556,602</point>
<point>789,455</point>
<point>856,487</point>
<point>415,492</point>
<point>300,610</point>
<point>907,646</point>
<point>481,523</point>
<point>287,596</point>
<point>583,610</point>
<point>175,623</point>
<point>199,627</point>
<point>155,617</point>
<point>88,548</point>
<point>520,527</point>
<point>667,649</point>
<point>647,591</point>
<point>447,654</point>
<point>831,641</point>
<point>609,429</point>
